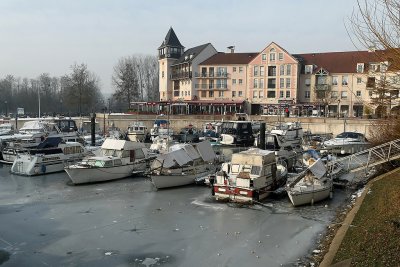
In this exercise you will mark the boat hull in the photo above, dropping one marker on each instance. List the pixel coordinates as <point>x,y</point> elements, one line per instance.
<point>308,197</point>
<point>136,137</point>
<point>81,175</point>
<point>182,178</point>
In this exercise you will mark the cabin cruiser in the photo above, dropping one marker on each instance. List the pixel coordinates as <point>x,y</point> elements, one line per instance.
<point>118,159</point>
<point>188,134</point>
<point>346,143</point>
<point>211,132</point>
<point>49,156</point>
<point>161,144</point>
<point>312,185</point>
<point>250,176</point>
<point>183,164</point>
<point>137,132</point>
<point>160,127</point>
<point>6,129</point>
<point>237,133</point>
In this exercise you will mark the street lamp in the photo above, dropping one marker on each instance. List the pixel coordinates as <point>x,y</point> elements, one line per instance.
<point>338,108</point>
<point>6,104</point>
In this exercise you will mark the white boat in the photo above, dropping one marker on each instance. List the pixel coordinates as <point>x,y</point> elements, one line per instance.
<point>161,144</point>
<point>137,132</point>
<point>160,127</point>
<point>183,164</point>
<point>312,185</point>
<point>237,133</point>
<point>118,159</point>
<point>98,140</point>
<point>211,132</point>
<point>346,143</point>
<point>50,156</point>
<point>250,176</point>
<point>6,129</point>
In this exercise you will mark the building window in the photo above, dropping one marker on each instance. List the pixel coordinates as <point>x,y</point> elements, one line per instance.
<point>240,93</point>
<point>211,93</point>
<point>234,69</point>
<point>359,80</point>
<point>271,94</point>
<point>203,93</point>
<point>282,83</point>
<point>343,94</point>
<point>371,82</point>
<point>271,83</point>
<point>307,82</point>
<point>221,93</point>
<point>287,82</point>
<point>162,74</point>
<point>358,93</point>
<point>334,80</point>
<point>261,84</point>
<point>306,94</point>
<point>255,71</point>
<point>271,70</point>
<point>261,94</point>
<point>262,72</point>
<point>282,70</point>
<point>287,94</point>
<point>383,67</point>
<point>255,83</point>
<point>308,69</point>
<point>264,57</point>
<point>334,94</point>
<point>272,57</point>
<point>370,93</point>
<point>360,67</point>
<point>233,81</point>
<point>373,67</point>
<point>288,69</point>
<point>281,94</point>
<point>345,80</point>
<point>255,94</point>
<point>280,56</point>
<point>240,69</point>
<point>233,93</point>
<point>240,81</point>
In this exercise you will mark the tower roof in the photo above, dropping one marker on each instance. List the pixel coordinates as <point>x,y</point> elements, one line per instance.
<point>171,39</point>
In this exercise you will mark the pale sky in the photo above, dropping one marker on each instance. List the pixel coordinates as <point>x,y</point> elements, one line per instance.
<point>48,36</point>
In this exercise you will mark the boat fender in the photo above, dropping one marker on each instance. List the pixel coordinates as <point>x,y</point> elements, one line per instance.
<point>43,168</point>
<point>36,170</point>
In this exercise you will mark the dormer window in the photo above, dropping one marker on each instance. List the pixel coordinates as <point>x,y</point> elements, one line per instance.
<point>308,69</point>
<point>373,67</point>
<point>272,54</point>
<point>360,67</point>
<point>383,67</point>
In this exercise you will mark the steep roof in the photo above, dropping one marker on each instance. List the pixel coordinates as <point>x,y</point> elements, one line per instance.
<point>171,39</point>
<point>342,62</point>
<point>191,53</point>
<point>229,58</point>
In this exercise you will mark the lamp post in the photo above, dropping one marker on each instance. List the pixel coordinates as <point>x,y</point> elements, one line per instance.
<point>338,108</point>
<point>109,109</point>
<point>104,121</point>
<point>6,104</point>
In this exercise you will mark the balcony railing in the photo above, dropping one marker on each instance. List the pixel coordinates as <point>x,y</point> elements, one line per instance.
<point>211,75</point>
<point>202,86</point>
<point>181,75</point>
<point>322,87</point>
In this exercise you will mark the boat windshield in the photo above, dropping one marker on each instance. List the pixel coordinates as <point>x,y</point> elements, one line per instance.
<point>349,135</point>
<point>271,143</point>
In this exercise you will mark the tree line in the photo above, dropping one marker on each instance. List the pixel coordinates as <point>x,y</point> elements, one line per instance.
<point>134,78</point>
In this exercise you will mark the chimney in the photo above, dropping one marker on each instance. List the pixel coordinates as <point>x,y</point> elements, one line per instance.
<point>231,48</point>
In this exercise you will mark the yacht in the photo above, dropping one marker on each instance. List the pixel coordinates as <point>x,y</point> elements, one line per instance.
<point>346,143</point>
<point>6,129</point>
<point>49,156</point>
<point>118,159</point>
<point>250,176</point>
<point>183,165</point>
<point>160,127</point>
<point>211,132</point>
<point>188,134</point>
<point>137,132</point>
<point>237,133</point>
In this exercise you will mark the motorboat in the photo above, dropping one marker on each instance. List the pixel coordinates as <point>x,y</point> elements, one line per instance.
<point>183,164</point>
<point>211,132</point>
<point>188,134</point>
<point>98,140</point>
<point>118,159</point>
<point>85,128</point>
<point>346,143</point>
<point>237,133</point>
<point>48,157</point>
<point>312,185</point>
<point>137,132</point>
<point>161,144</point>
<point>6,129</point>
<point>160,127</point>
<point>250,176</point>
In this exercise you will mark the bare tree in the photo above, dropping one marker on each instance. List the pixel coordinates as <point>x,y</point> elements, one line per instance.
<point>126,80</point>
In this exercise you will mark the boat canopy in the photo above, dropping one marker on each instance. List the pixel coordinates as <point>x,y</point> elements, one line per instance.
<point>50,142</point>
<point>114,144</point>
<point>254,156</point>
<point>33,126</point>
<point>318,169</point>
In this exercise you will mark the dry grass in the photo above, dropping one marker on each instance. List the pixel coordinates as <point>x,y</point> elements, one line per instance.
<point>385,130</point>
<point>374,237</point>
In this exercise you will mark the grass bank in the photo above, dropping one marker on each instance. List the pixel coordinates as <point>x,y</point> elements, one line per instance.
<point>373,238</point>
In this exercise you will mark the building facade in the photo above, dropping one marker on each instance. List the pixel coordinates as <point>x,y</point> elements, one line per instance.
<point>273,81</point>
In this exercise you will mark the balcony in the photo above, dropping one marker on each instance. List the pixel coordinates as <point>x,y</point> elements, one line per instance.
<point>181,75</point>
<point>208,86</point>
<point>322,87</point>
<point>211,75</point>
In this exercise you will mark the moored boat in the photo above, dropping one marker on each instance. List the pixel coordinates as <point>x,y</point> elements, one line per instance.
<point>137,132</point>
<point>118,159</point>
<point>183,164</point>
<point>346,143</point>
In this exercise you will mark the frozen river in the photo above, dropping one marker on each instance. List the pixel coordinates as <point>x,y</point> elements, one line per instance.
<point>46,221</point>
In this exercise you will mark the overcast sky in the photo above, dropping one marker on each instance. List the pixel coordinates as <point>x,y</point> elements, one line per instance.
<point>48,36</point>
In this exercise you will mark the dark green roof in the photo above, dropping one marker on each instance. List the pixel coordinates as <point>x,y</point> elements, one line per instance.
<point>171,40</point>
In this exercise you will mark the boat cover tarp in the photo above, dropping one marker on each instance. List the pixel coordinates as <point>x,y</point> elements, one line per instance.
<point>177,157</point>
<point>115,144</point>
<point>32,125</point>
<point>318,169</point>
<point>254,156</point>
<point>50,142</point>
<point>206,151</point>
